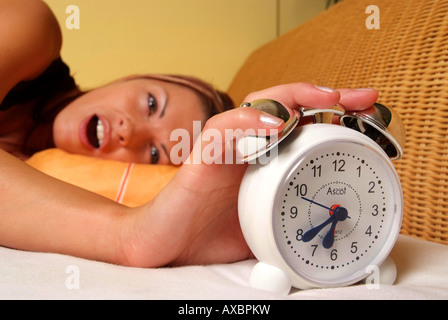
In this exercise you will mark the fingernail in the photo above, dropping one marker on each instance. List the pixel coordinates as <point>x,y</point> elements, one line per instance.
<point>270,121</point>
<point>325,89</point>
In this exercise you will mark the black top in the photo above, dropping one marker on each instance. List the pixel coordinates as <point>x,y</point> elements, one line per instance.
<point>55,79</point>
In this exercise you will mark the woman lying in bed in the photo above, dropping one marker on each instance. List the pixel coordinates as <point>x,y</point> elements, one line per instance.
<point>191,221</point>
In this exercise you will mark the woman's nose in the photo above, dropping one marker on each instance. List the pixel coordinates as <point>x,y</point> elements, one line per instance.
<point>124,132</point>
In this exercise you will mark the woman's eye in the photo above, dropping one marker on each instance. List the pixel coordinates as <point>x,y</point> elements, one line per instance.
<point>154,155</point>
<point>152,104</point>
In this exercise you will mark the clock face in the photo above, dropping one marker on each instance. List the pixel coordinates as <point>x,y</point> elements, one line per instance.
<point>337,213</point>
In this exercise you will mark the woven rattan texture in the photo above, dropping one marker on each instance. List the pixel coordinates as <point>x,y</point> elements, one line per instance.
<point>406,60</point>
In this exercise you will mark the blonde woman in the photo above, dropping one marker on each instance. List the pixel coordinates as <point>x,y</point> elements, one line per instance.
<point>193,220</point>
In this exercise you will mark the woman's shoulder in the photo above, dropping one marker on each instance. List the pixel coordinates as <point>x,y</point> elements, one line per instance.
<point>30,39</point>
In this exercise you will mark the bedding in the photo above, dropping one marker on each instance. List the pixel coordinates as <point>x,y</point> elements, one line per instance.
<point>30,275</point>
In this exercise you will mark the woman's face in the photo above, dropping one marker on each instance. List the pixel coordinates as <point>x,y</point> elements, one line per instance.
<point>128,120</point>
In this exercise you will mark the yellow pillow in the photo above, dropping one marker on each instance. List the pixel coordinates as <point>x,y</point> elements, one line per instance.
<point>127,183</point>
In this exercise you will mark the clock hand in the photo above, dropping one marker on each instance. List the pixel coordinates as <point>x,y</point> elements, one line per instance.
<point>329,238</point>
<point>339,214</point>
<point>310,234</point>
<point>332,209</point>
<point>321,205</point>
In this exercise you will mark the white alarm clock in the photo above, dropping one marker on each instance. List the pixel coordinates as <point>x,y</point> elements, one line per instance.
<point>327,210</point>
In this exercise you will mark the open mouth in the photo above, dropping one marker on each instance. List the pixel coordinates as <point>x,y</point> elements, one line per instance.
<point>95,132</point>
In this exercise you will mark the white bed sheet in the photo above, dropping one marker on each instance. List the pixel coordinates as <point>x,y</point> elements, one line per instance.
<point>422,274</point>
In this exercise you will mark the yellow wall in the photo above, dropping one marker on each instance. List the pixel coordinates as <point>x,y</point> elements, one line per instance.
<point>205,38</point>
<point>294,12</point>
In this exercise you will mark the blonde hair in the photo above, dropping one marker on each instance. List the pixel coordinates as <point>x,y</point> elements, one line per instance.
<point>215,101</point>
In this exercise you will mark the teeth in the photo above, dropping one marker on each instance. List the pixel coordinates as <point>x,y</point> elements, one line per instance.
<point>100,132</point>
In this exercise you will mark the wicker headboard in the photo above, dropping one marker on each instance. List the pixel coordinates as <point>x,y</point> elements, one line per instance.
<point>406,60</point>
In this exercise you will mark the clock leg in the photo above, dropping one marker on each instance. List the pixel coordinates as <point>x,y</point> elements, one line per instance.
<point>388,271</point>
<point>385,274</point>
<point>269,278</point>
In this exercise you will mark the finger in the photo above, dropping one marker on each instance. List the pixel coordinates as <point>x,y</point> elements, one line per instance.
<point>299,94</point>
<point>358,99</point>
<point>244,119</point>
<point>216,142</point>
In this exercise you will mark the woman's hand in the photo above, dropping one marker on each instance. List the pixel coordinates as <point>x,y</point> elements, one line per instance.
<point>194,220</point>
<point>304,94</point>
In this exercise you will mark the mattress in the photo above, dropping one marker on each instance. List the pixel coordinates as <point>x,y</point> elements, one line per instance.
<point>29,275</point>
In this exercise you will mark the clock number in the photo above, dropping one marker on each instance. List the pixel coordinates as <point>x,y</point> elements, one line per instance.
<point>314,250</point>
<point>299,235</point>
<point>341,165</point>
<point>301,190</point>
<point>334,255</point>
<point>359,171</point>
<point>317,170</point>
<point>372,186</point>
<point>369,231</point>
<point>293,212</point>
<point>354,247</point>
<point>375,210</point>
